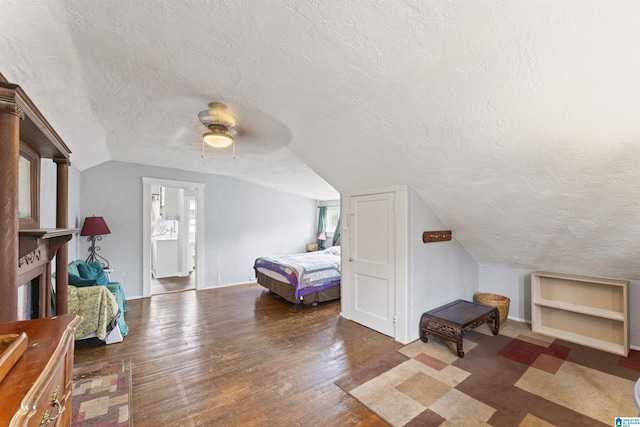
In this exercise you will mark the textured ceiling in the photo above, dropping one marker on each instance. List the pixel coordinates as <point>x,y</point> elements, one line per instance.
<point>518,122</point>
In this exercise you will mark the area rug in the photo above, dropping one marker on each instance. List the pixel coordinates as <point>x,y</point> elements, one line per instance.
<point>516,378</point>
<point>102,394</point>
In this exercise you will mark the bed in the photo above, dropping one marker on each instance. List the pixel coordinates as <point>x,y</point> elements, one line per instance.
<point>305,278</point>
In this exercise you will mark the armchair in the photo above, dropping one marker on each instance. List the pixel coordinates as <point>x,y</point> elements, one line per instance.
<point>101,303</point>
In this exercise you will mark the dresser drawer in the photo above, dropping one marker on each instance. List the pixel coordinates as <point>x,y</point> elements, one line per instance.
<point>48,403</point>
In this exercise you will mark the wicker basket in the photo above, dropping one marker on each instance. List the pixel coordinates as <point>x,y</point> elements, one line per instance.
<point>499,301</point>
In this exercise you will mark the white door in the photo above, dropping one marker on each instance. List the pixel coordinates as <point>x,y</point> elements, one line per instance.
<point>372,258</point>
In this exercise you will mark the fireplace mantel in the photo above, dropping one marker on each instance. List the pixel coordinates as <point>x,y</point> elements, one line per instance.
<point>27,251</point>
<point>29,239</point>
<point>37,247</point>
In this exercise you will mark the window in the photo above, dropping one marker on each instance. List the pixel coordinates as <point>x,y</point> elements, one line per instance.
<point>192,220</point>
<point>333,214</point>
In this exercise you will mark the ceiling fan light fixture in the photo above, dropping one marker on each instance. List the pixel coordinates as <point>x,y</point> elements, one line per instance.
<point>217,138</point>
<point>219,122</point>
<point>217,114</point>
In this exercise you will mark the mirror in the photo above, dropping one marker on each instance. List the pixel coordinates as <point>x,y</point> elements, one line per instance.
<point>28,187</point>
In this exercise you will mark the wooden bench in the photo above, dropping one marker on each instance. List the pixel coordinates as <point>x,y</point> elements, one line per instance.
<point>453,320</point>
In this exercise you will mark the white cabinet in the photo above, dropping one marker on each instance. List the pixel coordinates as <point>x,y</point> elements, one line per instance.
<point>165,258</point>
<point>585,310</point>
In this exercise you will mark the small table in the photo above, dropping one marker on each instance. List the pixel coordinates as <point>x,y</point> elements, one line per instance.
<point>453,320</point>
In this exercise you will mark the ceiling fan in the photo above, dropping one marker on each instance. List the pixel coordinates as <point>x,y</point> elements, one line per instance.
<point>221,124</point>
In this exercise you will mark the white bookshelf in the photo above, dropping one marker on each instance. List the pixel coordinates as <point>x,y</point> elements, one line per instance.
<point>590,311</point>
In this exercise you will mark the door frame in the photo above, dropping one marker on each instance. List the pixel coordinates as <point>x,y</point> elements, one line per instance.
<point>146,229</point>
<point>401,257</point>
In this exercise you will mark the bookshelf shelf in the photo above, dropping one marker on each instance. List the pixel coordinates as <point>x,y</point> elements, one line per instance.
<point>585,310</point>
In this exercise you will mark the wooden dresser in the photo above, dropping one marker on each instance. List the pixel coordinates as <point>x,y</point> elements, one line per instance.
<point>37,390</point>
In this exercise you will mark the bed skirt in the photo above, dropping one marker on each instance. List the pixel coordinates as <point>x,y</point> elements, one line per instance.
<point>286,291</point>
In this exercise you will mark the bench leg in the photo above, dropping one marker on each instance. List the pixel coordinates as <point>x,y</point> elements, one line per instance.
<point>495,315</point>
<point>459,343</point>
<point>423,333</point>
<point>424,337</point>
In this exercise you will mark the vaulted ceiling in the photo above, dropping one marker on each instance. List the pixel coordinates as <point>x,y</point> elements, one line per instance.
<point>518,122</point>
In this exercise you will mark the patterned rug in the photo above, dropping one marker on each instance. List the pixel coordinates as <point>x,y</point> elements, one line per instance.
<point>102,394</point>
<point>516,378</point>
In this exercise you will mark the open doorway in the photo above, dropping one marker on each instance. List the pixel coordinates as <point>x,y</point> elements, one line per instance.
<point>173,239</point>
<point>173,236</point>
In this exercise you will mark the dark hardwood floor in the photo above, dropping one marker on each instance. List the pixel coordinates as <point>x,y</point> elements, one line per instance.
<point>240,356</point>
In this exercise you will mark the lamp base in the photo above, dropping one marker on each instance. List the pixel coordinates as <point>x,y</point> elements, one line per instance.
<point>93,255</point>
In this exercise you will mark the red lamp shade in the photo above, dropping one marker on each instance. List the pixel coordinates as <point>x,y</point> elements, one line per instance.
<point>94,226</point>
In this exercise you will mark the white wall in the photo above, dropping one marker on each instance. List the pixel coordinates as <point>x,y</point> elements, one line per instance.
<point>439,272</point>
<point>243,221</point>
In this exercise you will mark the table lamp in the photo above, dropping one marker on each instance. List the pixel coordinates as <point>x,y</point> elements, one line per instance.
<point>95,227</point>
